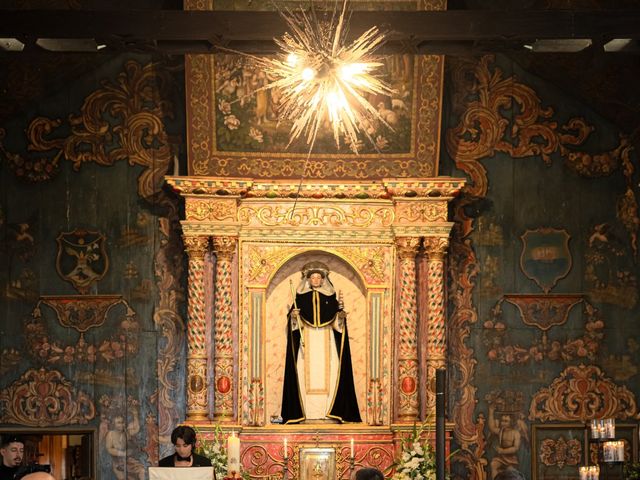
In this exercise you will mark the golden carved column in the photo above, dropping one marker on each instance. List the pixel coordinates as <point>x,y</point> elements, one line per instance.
<point>435,249</point>
<point>197,405</point>
<point>408,329</point>
<point>224,248</point>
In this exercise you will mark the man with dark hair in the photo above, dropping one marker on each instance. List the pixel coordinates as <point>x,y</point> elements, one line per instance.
<point>369,474</point>
<point>12,451</point>
<point>184,439</point>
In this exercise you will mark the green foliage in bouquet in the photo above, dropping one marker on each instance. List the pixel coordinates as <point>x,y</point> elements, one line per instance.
<point>215,449</point>
<point>632,471</point>
<point>417,459</point>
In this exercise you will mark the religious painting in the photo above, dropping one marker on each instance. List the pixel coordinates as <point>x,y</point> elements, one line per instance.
<point>545,256</point>
<point>317,464</point>
<point>558,451</point>
<point>247,117</point>
<point>235,127</point>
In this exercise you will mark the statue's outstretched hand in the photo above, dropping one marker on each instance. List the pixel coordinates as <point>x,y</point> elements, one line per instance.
<point>338,324</point>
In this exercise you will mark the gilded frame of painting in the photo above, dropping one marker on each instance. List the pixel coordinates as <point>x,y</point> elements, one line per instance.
<point>317,464</point>
<point>214,120</point>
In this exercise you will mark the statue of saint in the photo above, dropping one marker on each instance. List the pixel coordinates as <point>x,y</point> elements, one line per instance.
<point>318,377</point>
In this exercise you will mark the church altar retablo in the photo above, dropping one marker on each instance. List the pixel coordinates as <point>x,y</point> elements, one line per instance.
<point>384,244</point>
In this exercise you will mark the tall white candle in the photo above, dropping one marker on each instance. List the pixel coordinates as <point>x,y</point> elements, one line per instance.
<point>233,454</point>
<point>620,451</point>
<point>352,448</point>
<point>286,453</point>
<point>584,473</point>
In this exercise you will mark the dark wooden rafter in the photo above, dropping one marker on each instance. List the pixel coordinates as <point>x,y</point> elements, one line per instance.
<point>179,32</point>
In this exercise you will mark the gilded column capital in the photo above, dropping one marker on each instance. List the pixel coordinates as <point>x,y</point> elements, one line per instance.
<point>436,247</point>
<point>407,246</point>
<point>196,246</point>
<point>224,246</point>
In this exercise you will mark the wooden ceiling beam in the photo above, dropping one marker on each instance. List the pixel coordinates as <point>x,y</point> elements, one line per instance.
<point>175,31</point>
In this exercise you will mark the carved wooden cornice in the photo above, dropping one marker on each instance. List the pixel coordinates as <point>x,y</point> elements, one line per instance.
<point>387,188</point>
<point>282,210</point>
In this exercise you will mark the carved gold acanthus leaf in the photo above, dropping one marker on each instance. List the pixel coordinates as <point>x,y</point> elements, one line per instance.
<point>316,216</point>
<point>436,247</point>
<point>407,246</point>
<point>582,393</point>
<point>196,246</point>
<point>264,260</point>
<point>224,246</point>
<point>213,210</point>
<point>372,262</point>
<point>422,211</point>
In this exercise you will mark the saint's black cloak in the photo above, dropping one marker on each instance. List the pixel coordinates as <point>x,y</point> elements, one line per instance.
<point>344,406</point>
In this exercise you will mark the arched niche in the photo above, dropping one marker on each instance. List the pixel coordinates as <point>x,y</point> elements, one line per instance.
<point>367,300</point>
<point>346,280</point>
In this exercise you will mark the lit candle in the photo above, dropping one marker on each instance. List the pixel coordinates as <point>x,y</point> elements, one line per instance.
<point>584,473</point>
<point>233,454</point>
<point>609,451</point>
<point>610,427</point>
<point>286,453</point>
<point>620,451</point>
<point>352,448</point>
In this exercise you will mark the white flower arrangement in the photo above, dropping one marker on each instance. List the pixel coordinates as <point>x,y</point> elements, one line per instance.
<point>417,459</point>
<point>215,450</point>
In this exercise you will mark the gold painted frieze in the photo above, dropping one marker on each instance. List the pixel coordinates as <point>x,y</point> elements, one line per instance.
<point>285,209</point>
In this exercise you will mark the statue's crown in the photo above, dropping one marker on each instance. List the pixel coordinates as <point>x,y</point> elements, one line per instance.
<point>315,267</point>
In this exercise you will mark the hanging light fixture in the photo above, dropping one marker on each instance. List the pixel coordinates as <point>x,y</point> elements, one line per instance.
<point>325,80</point>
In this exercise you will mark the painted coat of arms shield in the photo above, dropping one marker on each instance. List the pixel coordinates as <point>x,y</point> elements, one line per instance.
<point>545,256</point>
<point>82,259</point>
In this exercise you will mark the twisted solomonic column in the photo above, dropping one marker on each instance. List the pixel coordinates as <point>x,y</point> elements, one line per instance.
<point>408,410</point>
<point>197,404</point>
<point>224,248</point>
<point>435,249</point>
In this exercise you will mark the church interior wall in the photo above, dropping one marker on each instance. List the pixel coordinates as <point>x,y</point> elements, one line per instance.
<point>557,187</point>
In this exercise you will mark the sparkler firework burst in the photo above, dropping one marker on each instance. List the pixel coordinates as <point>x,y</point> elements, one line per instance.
<point>323,80</point>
